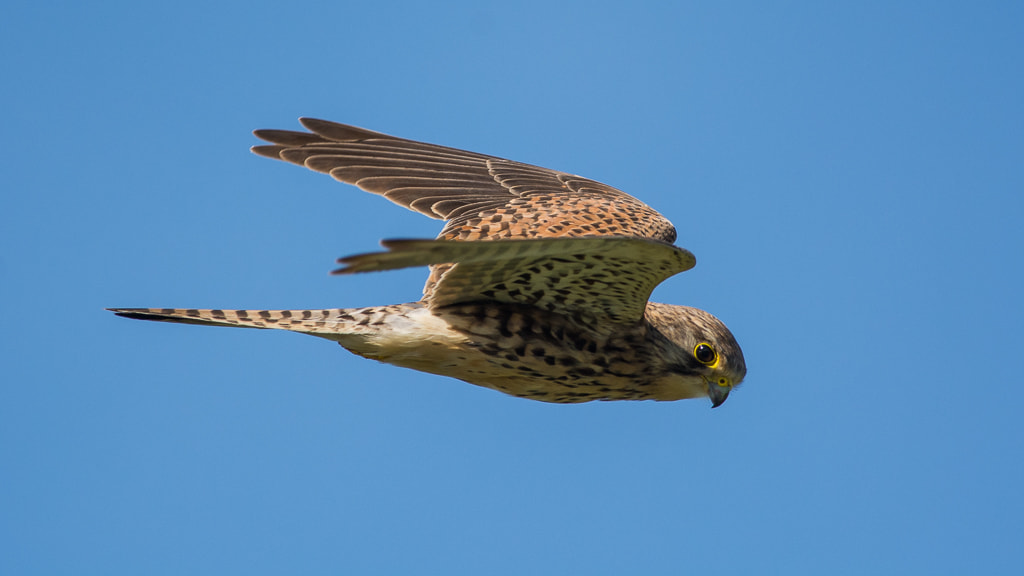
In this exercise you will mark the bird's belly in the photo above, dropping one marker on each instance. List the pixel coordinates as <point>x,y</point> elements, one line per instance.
<point>517,351</point>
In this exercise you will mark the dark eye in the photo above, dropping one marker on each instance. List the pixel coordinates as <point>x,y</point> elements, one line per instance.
<point>705,354</point>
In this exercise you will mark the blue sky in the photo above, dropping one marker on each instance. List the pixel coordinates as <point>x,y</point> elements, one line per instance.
<point>849,176</point>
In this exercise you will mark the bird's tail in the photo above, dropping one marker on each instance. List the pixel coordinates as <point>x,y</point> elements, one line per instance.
<point>395,333</point>
<point>324,323</point>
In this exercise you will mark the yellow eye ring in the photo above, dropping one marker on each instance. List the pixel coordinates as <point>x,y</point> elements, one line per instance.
<point>705,354</point>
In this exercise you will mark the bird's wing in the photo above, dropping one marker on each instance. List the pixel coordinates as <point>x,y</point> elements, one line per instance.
<point>481,197</point>
<point>597,280</point>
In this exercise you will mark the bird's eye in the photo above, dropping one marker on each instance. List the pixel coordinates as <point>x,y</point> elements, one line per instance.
<point>705,354</point>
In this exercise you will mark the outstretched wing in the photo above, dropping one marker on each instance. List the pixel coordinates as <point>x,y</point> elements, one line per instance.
<point>481,197</point>
<point>594,279</point>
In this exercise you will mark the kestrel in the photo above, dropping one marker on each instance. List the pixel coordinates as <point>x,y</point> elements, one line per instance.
<point>538,286</point>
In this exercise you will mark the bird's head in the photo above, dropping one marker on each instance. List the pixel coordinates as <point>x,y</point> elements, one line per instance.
<point>702,355</point>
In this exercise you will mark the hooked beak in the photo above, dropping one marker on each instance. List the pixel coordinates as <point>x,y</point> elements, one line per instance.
<point>718,394</point>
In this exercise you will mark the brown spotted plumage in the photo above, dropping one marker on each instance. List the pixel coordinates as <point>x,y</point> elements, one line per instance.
<point>538,282</point>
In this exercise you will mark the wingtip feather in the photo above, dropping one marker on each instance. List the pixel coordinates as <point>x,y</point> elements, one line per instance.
<point>339,132</point>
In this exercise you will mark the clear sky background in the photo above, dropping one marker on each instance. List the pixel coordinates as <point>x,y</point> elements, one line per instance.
<point>849,174</point>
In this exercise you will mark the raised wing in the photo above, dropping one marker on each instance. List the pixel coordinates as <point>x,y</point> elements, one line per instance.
<point>595,279</point>
<point>481,197</point>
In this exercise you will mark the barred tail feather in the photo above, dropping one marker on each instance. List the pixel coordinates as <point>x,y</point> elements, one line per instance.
<point>327,321</point>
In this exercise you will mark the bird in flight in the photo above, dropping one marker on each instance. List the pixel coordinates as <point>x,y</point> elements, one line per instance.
<point>538,285</point>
